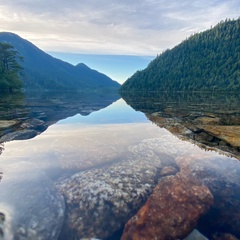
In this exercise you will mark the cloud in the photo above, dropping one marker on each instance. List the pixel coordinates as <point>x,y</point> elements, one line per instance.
<point>112,26</point>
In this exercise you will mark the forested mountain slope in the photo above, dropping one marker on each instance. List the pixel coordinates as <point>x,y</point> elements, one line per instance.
<point>205,61</point>
<point>42,71</point>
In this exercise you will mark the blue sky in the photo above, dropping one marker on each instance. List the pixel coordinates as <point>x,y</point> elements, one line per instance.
<point>111,27</point>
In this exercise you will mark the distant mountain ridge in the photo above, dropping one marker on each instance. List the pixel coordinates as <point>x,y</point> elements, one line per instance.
<point>205,61</point>
<point>42,71</point>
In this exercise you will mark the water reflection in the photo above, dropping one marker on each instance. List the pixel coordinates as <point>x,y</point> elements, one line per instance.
<point>23,116</point>
<point>118,112</point>
<point>212,119</point>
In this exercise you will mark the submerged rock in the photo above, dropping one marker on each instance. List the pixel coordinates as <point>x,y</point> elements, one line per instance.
<point>100,201</point>
<point>222,176</point>
<point>203,194</point>
<point>223,236</point>
<point>29,128</point>
<point>168,170</point>
<point>228,134</point>
<point>171,212</point>
<point>19,135</point>
<point>7,123</point>
<point>30,206</point>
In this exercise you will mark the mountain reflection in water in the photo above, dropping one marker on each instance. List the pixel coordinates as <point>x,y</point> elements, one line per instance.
<point>23,116</point>
<point>98,160</point>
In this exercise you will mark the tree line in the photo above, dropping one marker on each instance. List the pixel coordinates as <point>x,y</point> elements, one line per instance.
<point>205,61</point>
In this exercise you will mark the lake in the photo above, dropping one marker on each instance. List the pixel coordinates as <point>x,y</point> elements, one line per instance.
<point>81,165</point>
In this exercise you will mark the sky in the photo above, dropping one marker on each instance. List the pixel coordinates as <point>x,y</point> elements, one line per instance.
<point>77,29</point>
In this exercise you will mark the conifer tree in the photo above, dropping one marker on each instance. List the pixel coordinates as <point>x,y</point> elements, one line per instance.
<point>10,68</point>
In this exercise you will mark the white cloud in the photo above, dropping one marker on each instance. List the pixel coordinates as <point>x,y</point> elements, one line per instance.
<point>112,26</point>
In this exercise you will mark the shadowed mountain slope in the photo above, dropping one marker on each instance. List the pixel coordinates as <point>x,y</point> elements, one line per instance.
<point>42,71</point>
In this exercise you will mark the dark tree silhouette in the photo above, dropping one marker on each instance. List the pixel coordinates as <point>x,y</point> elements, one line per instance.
<point>10,68</point>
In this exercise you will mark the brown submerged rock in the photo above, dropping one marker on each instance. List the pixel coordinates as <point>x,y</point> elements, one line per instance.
<point>207,120</point>
<point>168,170</point>
<point>171,212</point>
<point>222,177</point>
<point>204,194</point>
<point>229,134</point>
<point>224,236</point>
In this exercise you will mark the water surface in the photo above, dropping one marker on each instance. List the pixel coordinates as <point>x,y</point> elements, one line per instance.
<point>101,142</point>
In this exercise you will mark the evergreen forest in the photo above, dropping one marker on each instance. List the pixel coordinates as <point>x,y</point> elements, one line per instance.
<point>10,68</point>
<point>209,60</point>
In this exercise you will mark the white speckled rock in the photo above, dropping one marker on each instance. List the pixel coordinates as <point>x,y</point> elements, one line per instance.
<point>100,201</point>
<point>30,206</point>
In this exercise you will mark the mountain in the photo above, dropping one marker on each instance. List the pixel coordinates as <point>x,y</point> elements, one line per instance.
<point>42,71</point>
<point>205,61</point>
